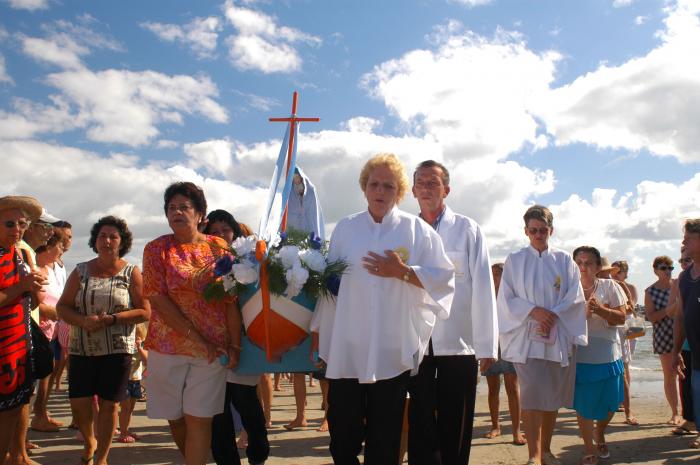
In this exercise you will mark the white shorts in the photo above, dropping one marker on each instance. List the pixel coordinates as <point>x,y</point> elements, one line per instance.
<point>181,385</point>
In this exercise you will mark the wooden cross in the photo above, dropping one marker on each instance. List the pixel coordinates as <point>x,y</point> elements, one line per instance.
<point>294,120</point>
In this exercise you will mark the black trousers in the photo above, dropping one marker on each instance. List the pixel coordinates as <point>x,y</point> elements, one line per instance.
<point>441,410</point>
<point>223,445</point>
<point>687,387</point>
<point>372,413</point>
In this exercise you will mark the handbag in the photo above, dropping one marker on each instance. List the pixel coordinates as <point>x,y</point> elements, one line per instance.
<point>42,353</point>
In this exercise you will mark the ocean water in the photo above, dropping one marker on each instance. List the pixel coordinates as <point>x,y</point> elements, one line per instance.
<point>645,369</point>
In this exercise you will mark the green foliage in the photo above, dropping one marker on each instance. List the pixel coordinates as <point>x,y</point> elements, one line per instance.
<point>214,291</point>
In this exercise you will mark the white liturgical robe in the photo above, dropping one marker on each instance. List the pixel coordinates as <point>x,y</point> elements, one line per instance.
<point>472,327</point>
<point>550,280</point>
<point>379,327</point>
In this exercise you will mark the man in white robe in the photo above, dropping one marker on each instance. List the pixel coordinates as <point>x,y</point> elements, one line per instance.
<point>398,282</point>
<point>541,317</point>
<point>442,394</point>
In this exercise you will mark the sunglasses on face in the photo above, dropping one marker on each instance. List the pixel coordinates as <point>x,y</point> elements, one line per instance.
<point>533,231</point>
<point>664,268</point>
<point>685,260</point>
<point>23,225</point>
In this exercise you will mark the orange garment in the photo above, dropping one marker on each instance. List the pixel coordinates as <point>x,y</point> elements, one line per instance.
<point>181,272</point>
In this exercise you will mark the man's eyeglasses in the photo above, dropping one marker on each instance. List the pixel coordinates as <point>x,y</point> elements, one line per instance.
<point>533,231</point>
<point>23,225</point>
<point>44,226</point>
<point>664,268</point>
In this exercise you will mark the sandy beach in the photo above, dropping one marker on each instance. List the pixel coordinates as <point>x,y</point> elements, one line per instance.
<point>649,443</point>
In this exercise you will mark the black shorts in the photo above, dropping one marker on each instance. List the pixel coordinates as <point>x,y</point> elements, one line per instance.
<point>105,376</point>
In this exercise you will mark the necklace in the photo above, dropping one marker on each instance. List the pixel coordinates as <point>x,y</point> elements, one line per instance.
<point>588,289</point>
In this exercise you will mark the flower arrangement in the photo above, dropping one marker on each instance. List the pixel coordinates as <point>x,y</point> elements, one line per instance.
<point>296,262</point>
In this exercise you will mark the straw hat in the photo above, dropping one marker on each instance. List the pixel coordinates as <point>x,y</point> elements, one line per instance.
<point>606,266</point>
<point>28,205</point>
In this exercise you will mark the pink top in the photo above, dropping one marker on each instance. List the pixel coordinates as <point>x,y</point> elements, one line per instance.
<point>181,272</point>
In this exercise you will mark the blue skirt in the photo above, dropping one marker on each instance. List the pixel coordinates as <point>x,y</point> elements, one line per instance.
<point>600,388</point>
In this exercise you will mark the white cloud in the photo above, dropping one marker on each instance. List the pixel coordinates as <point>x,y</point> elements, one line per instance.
<point>4,76</point>
<point>622,3</point>
<point>639,20</point>
<point>213,156</point>
<point>31,5</point>
<point>650,102</point>
<point>125,107</point>
<point>29,119</point>
<point>200,34</point>
<point>167,144</point>
<point>259,102</point>
<point>261,44</point>
<point>463,93</point>
<point>473,3</point>
<point>66,43</point>
<point>361,124</point>
<point>256,53</point>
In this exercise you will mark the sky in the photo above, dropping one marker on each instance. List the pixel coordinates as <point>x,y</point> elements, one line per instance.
<point>588,107</point>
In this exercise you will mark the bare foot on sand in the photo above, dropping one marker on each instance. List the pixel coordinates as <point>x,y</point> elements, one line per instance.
<point>296,423</point>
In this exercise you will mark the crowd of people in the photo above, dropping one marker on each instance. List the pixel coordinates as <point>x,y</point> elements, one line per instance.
<point>418,314</point>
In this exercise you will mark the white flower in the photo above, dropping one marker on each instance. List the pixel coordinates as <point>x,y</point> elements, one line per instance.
<point>274,241</point>
<point>313,259</point>
<point>296,278</point>
<point>245,273</point>
<point>289,256</point>
<point>244,245</point>
<point>229,281</point>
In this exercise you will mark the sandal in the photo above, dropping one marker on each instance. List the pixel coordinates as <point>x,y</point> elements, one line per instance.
<point>603,451</point>
<point>126,439</point>
<point>494,433</point>
<point>589,460</point>
<point>85,461</point>
<point>632,421</point>
<point>694,444</point>
<point>682,431</point>
<point>519,441</point>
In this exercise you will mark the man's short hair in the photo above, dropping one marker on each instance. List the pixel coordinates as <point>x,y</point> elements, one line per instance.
<point>541,213</point>
<point>692,225</point>
<point>434,164</point>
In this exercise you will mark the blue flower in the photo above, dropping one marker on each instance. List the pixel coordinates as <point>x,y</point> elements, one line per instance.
<point>314,241</point>
<point>223,265</point>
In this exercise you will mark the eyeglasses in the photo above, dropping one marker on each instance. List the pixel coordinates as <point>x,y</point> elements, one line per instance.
<point>23,225</point>
<point>664,268</point>
<point>44,226</point>
<point>172,208</point>
<point>685,260</point>
<point>533,231</point>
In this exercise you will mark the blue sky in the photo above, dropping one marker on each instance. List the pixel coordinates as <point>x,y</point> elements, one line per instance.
<point>589,107</point>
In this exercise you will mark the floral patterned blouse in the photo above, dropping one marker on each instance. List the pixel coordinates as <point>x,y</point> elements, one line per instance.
<point>181,272</point>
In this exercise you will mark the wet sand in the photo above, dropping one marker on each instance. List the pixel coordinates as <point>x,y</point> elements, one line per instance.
<point>649,443</point>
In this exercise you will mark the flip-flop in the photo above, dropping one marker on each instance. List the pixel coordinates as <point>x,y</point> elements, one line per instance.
<point>85,461</point>
<point>126,439</point>
<point>494,433</point>
<point>632,421</point>
<point>589,460</point>
<point>603,451</point>
<point>682,431</point>
<point>519,442</point>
